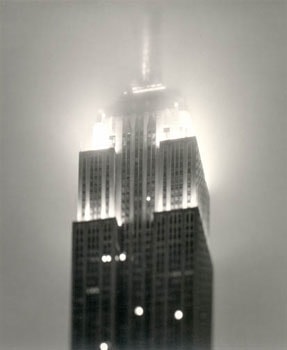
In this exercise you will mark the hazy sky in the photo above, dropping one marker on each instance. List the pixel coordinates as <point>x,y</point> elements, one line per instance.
<point>60,62</point>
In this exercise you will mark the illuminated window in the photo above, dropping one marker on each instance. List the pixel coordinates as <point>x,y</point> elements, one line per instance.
<point>106,258</point>
<point>122,256</point>
<point>178,315</point>
<point>139,311</point>
<point>104,346</point>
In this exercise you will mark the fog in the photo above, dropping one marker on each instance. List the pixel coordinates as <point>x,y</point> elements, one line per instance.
<point>60,61</point>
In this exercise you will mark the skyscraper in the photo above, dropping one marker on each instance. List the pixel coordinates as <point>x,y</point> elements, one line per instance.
<point>141,271</point>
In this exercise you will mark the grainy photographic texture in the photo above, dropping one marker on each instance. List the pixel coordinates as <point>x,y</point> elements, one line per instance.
<point>61,62</point>
<point>142,273</point>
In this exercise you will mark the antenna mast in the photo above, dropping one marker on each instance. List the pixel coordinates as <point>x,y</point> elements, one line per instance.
<point>150,70</point>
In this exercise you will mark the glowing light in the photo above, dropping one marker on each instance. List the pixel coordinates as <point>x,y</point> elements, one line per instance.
<point>106,258</point>
<point>148,198</point>
<point>93,290</point>
<point>101,136</point>
<point>104,346</point>
<point>105,131</point>
<point>146,51</point>
<point>139,311</point>
<point>174,124</point>
<point>118,216</point>
<point>87,211</point>
<point>123,257</point>
<point>148,88</point>
<point>178,315</point>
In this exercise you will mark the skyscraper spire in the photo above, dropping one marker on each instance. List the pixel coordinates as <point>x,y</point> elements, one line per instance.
<point>150,46</point>
<point>146,51</point>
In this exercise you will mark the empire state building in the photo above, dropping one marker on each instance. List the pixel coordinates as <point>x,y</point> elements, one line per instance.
<point>141,269</point>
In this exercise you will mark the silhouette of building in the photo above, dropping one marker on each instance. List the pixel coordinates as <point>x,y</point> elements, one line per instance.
<point>141,270</point>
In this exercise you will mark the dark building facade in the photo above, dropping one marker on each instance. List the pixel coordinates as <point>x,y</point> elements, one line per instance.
<point>141,269</point>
